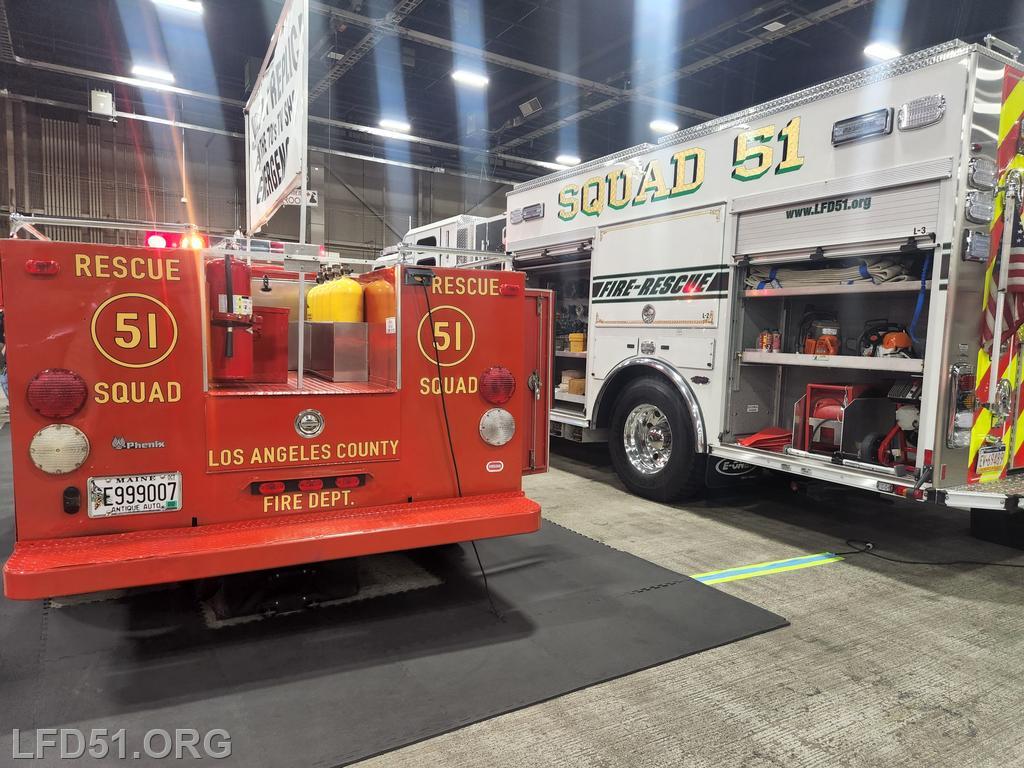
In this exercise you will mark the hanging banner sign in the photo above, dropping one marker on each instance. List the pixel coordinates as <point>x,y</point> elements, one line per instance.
<point>275,118</point>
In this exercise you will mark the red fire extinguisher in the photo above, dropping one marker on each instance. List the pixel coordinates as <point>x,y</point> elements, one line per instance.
<point>230,320</point>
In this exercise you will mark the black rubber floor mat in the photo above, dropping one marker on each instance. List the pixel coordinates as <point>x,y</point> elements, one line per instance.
<point>336,684</point>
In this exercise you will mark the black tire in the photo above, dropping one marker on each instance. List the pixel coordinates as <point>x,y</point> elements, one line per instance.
<point>867,451</point>
<point>682,476</point>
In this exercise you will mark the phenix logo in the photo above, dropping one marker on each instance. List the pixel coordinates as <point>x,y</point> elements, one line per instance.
<point>120,444</point>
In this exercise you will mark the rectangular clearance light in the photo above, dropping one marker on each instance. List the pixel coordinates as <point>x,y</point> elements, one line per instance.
<point>535,211</point>
<point>877,123</point>
<point>976,246</point>
<point>921,112</point>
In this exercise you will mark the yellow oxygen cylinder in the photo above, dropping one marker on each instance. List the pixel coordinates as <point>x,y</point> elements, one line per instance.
<point>311,301</point>
<point>315,299</point>
<point>345,301</point>
<point>323,304</point>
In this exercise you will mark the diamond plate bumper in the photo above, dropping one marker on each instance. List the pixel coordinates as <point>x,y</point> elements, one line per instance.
<point>994,495</point>
<point>74,565</point>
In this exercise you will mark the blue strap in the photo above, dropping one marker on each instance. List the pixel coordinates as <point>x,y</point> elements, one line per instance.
<point>864,271</point>
<point>920,296</point>
<point>771,279</point>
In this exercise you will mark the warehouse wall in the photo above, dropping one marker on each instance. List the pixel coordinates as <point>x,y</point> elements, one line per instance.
<point>60,162</point>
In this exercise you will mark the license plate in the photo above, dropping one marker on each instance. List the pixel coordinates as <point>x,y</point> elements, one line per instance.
<point>134,494</point>
<point>991,457</point>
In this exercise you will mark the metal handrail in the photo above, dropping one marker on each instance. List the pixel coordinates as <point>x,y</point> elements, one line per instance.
<point>28,223</point>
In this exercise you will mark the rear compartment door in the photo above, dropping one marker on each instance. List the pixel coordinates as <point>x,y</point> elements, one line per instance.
<point>538,335</point>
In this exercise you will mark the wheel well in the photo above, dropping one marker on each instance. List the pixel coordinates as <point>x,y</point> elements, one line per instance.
<point>614,388</point>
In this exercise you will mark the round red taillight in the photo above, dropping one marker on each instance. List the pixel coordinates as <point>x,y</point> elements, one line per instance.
<point>497,385</point>
<point>57,393</point>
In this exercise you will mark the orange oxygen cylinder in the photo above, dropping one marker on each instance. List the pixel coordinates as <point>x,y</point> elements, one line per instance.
<point>345,301</point>
<point>379,298</point>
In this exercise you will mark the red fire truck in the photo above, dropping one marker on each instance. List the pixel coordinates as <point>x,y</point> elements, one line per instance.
<point>174,416</point>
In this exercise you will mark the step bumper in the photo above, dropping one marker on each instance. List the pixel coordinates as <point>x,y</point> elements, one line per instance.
<point>80,564</point>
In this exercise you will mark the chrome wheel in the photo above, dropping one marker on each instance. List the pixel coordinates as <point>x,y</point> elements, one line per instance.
<point>647,439</point>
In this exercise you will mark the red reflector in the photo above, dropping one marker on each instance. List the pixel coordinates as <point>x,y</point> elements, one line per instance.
<point>311,485</point>
<point>268,489</point>
<point>57,393</point>
<point>349,481</point>
<point>497,385</point>
<point>42,267</point>
<point>509,289</point>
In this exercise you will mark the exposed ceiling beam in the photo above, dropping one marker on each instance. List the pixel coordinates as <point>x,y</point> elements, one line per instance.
<point>382,26</point>
<point>798,24</point>
<point>6,44</point>
<point>364,129</point>
<point>178,124</point>
<point>360,49</point>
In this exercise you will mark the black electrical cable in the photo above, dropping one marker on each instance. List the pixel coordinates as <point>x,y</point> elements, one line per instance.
<point>861,547</point>
<point>451,443</point>
<point>487,587</point>
<point>440,386</point>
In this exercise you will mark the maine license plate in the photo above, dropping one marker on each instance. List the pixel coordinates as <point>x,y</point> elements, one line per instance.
<point>134,494</point>
<point>991,457</point>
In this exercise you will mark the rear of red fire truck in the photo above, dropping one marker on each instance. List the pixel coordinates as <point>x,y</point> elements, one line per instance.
<point>166,425</point>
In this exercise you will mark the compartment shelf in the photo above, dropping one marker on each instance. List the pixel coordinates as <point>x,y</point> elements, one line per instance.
<point>854,362</point>
<point>564,353</point>
<point>570,398</point>
<point>904,286</point>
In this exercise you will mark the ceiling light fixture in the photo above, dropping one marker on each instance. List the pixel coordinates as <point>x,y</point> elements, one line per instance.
<point>394,125</point>
<point>192,6</point>
<point>474,79</point>
<point>567,160</point>
<point>152,73</point>
<point>882,51</point>
<point>663,126</point>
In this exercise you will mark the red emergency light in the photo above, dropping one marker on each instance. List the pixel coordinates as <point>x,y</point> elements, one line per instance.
<point>191,240</point>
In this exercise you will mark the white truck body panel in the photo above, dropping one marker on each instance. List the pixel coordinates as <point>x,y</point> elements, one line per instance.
<point>667,227</point>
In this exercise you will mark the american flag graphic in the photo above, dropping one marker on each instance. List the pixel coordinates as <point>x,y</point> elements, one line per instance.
<point>1013,305</point>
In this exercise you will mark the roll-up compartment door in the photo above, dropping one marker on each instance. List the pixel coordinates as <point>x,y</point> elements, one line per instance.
<point>562,253</point>
<point>894,214</point>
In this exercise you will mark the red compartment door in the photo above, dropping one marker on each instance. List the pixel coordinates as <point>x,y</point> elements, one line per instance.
<point>539,336</point>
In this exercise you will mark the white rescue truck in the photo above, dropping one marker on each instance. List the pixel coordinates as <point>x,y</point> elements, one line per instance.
<point>809,286</point>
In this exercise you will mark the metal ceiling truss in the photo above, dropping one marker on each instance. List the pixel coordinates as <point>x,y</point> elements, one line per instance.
<point>798,24</point>
<point>386,28</point>
<point>178,124</point>
<point>6,44</point>
<point>360,49</point>
<point>356,127</point>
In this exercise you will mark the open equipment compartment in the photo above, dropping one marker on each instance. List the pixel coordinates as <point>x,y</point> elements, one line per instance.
<point>349,327</point>
<point>830,354</point>
<point>566,271</point>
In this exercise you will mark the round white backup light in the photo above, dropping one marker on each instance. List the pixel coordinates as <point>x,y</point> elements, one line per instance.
<point>497,426</point>
<point>59,449</point>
